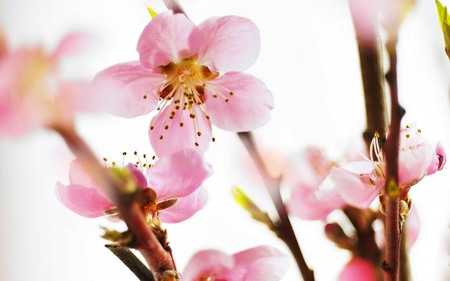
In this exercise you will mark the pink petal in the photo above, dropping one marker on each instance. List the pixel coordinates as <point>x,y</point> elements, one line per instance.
<point>226,44</point>
<point>412,226</point>
<point>259,263</point>
<point>179,174</point>
<point>79,176</point>
<point>438,160</point>
<point>74,96</point>
<point>73,43</point>
<point>414,163</point>
<point>305,204</point>
<point>140,178</point>
<point>358,269</point>
<point>86,202</point>
<point>126,89</point>
<point>185,207</point>
<point>247,109</point>
<point>164,40</point>
<point>352,188</point>
<point>176,137</point>
<point>207,263</point>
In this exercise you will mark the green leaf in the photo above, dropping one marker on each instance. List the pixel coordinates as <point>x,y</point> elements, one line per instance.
<point>444,21</point>
<point>250,206</point>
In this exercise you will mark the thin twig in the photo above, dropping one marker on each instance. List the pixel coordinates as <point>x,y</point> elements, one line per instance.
<point>147,243</point>
<point>392,189</point>
<point>284,229</point>
<point>131,261</point>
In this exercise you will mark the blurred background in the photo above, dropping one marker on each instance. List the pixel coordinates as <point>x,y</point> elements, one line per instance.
<point>308,60</point>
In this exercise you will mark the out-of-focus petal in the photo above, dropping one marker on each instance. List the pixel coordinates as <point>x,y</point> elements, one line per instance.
<point>185,207</point>
<point>3,44</point>
<point>207,263</point>
<point>79,176</point>
<point>164,40</point>
<point>126,89</point>
<point>259,263</point>
<point>246,108</point>
<point>358,269</point>
<point>72,44</point>
<point>179,174</point>
<point>141,181</point>
<point>305,204</point>
<point>353,188</point>
<point>86,202</point>
<point>226,44</point>
<point>181,133</point>
<point>412,226</point>
<point>74,96</point>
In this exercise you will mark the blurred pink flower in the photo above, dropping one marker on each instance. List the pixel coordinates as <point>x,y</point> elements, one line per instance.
<point>175,176</point>
<point>31,93</point>
<point>259,263</point>
<point>358,269</point>
<point>192,75</point>
<point>305,175</point>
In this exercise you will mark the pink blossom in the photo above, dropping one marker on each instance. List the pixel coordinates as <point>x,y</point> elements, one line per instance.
<point>259,263</point>
<point>192,75</point>
<point>176,176</point>
<point>31,93</point>
<point>358,269</point>
<point>305,175</point>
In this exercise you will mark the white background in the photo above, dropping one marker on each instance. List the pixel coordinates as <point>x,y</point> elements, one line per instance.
<point>308,59</point>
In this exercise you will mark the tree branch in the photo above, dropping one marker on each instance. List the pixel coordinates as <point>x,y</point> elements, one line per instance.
<point>147,243</point>
<point>284,229</point>
<point>131,261</point>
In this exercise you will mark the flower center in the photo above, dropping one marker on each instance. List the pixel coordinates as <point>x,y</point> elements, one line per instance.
<point>185,82</point>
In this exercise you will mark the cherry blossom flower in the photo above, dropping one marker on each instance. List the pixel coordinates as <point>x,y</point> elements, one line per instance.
<point>31,93</point>
<point>171,188</point>
<point>259,263</point>
<point>193,76</point>
<point>320,186</point>
<point>305,175</point>
<point>358,269</point>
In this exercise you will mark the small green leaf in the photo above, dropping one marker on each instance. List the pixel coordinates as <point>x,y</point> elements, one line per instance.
<point>247,203</point>
<point>152,12</point>
<point>444,21</point>
<point>123,238</point>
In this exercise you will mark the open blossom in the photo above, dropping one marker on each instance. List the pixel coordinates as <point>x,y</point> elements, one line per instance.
<point>259,263</point>
<point>31,93</point>
<point>319,186</point>
<point>171,188</point>
<point>192,75</point>
<point>358,183</point>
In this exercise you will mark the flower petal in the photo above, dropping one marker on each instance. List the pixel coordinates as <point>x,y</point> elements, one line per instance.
<point>245,109</point>
<point>79,176</point>
<point>126,90</point>
<point>185,207</point>
<point>164,40</point>
<point>358,269</point>
<point>352,188</point>
<point>259,263</point>
<point>206,263</point>
<point>71,44</point>
<point>226,44</point>
<point>140,178</point>
<point>169,135</point>
<point>179,174</point>
<point>305,204</point>
<point>86,202</point>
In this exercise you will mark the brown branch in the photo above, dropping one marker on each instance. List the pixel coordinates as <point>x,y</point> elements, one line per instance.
<point>392,189</point>
<point>147,243</point>
<point>372,73</point>
<point>284,228</point>
<point>131,261</point>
